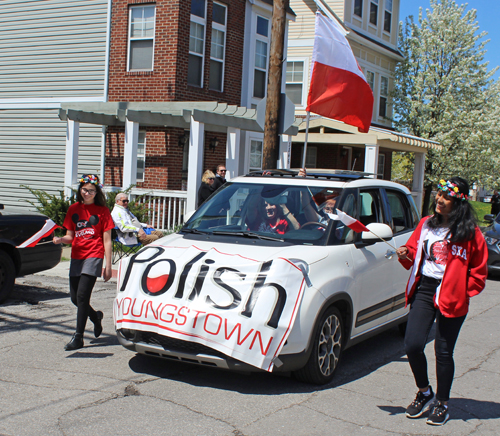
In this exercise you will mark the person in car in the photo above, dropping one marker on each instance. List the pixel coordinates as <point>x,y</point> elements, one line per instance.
<point>277,217</point>
<point>88,225</point>
<point>206,188</point>
<point>448,255</point>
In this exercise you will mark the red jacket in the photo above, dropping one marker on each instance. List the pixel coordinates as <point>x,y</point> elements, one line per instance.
<point>464,275</point>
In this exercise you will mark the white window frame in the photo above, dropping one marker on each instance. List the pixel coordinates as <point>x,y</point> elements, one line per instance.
<point>265,40</point>
<point>381,95</point>
<point>141,156</point>
<point>354,8</point>
<point>220,28</point>
<point>202,22</point>
<point>381,166</point>
<point>372,81</point>
<point>305,78</point>
<point>388,11</point>
<point>376,3</point>
<point>143,38</point>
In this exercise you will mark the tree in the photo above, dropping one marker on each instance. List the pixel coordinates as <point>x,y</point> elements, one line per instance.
<point>444,92</point>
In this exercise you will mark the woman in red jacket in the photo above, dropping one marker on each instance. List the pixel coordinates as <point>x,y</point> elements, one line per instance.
<point>448,255</point>
<point>88,226</point>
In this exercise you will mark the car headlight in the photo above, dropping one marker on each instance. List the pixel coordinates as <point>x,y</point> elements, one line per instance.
<point>490,241</point>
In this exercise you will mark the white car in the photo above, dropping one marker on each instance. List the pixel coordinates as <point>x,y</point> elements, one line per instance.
<point>241,288</point>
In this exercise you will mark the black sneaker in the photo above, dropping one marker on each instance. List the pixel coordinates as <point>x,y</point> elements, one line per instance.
<point>420,404</point>
<point>439,415</point>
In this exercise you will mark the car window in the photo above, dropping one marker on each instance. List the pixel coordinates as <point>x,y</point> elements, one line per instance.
<point>370,210</point>
<point>296,214</point>
<point>400,211</point>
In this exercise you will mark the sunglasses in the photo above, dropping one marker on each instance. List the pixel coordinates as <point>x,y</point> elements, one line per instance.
<point>222,171</point>
<point>125,201</point>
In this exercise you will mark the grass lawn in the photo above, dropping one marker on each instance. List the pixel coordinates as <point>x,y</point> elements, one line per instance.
<point>481,209</point>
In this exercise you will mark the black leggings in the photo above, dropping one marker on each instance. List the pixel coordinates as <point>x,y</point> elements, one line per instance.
<point>420,321</point>
<point>80,289</point>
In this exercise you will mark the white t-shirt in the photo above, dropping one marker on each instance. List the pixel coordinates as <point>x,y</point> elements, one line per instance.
<point>435,253</point>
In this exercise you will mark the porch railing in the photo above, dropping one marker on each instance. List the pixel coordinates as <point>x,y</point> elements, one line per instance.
<point>167,209</point>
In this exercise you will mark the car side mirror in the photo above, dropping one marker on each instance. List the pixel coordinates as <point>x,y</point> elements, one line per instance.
<point>489,218</point>
<point>380,231</point>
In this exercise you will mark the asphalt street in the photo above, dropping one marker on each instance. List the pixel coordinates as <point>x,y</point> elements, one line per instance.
<point>106,389</point>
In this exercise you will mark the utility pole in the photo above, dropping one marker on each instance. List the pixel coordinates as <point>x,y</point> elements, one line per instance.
<point>276,60</point>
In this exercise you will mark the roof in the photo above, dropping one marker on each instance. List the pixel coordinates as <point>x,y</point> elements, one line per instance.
<point>328,131</point>
<point>216,116</point>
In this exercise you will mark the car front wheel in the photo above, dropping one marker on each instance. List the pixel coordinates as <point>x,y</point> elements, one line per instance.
<point>327,348</point>
<point>7,275</point>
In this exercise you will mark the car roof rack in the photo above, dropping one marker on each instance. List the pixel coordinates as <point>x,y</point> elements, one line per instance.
<point>315,173</point>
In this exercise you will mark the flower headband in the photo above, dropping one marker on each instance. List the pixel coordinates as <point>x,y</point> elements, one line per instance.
<point>90,178</point>
<point>452,190</point>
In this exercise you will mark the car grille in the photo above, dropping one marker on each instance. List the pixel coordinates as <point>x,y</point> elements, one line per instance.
<point>175,345</point>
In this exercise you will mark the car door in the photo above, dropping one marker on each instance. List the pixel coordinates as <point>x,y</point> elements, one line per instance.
<point>403,218</point>
<point>374,265</point>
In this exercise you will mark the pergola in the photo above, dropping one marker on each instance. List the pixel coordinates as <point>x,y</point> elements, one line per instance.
<point>328,131</point>
<point>195,116</point>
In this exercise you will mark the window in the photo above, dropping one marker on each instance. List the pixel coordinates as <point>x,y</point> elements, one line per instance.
<point>388,15</point>
<point>370,207</point>
<point>141,35</point>
<point>384,92</point>
<point>260,70</point>
<point>256,148</point>
<point>370,78</point>
<point>218,46</point>
<point>381,166</point>
<point>400,212</point>
<point>311,156</point>
<point>374,12</point>
<point>141,156</point>
<point>197,43</point>
<point>358,8</point>
<point>295,81</point>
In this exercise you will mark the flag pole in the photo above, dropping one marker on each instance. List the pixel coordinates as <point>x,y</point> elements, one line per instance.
<point>305,142</point>
<point>383,240</point>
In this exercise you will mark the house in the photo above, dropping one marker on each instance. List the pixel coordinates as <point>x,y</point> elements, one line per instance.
<point>372,27</point>
<point>177,93</point>
<point>51,52</point>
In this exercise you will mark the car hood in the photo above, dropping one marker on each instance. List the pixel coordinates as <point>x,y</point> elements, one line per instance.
<point>308,253</point>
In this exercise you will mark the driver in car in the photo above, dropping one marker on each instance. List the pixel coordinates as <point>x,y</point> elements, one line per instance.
<point>278,218</point>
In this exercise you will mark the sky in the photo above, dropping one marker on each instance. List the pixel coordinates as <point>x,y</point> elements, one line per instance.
<point>488,12</point>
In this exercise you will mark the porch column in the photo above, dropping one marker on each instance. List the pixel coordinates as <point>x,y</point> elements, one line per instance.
<point>195,166</point>
<point>71,160</point>
<point>130,153</point>
<point>233,143</point>
<point>417,189</point>
<point>371,159</point>
<point>284,152</point>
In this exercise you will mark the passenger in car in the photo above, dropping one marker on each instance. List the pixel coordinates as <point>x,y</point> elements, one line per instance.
<point>278,219</point>
<point>448,256</point>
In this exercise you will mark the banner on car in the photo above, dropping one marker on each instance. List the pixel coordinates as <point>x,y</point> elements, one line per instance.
<point>242,307</point>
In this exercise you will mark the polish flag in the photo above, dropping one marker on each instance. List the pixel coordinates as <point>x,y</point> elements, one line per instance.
<point>46,230</point>
<point>351,222</point>
<point>338,87</point>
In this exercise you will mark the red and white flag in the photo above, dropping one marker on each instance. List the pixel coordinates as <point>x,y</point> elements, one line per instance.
<point>46,230</point>
<point>338,87</point>
<point>351,222</point>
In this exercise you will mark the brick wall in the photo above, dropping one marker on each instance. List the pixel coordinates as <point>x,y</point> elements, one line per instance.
<point>168,80</point>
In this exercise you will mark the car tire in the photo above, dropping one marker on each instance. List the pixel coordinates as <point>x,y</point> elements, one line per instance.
<point>326,351</point>
<point>7,275</point>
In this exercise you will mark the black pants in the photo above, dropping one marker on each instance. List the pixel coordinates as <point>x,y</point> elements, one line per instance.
<point>420,321</point>
<point>80,289</point>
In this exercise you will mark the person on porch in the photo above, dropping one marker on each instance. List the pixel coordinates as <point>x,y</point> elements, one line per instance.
<point>129,229</point>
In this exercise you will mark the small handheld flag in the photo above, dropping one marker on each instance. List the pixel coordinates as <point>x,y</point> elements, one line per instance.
<point>351,222</point>
<point>46,230</point>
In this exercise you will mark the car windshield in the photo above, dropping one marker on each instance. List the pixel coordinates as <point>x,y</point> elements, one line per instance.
<point>293,214</point>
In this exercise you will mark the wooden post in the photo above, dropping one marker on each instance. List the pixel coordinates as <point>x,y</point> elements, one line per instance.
<point>276,61</point>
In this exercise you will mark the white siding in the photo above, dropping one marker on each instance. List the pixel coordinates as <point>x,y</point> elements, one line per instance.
<point>52,48</point>
<point>32,151</point>
<point>50,51</point>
